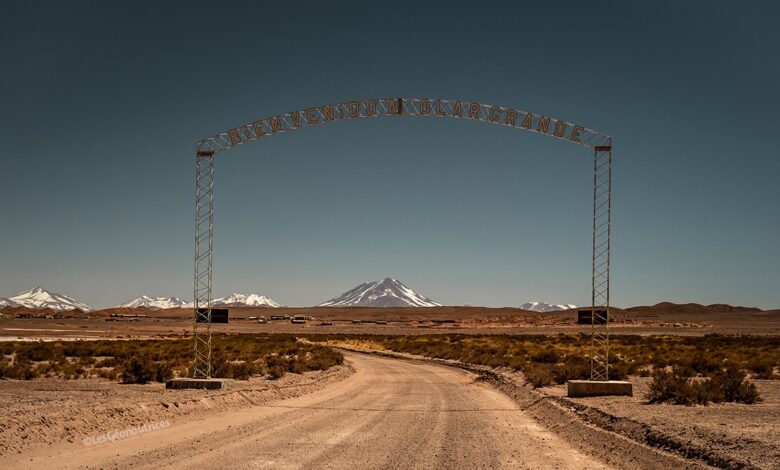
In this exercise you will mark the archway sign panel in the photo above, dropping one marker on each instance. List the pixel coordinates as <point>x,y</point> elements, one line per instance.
<point>434,107</point>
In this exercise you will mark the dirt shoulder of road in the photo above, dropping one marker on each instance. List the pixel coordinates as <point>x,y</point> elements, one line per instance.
<point>725,434</point>
<point>47,412</point>
<point>721,435</point>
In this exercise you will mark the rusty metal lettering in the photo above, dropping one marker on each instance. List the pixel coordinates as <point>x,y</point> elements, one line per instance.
<point>560,129</point>
<point>457,110</point>
<point>259,128</point>
<point>311,117</point>
<point>495,114</point>
<point>327,112</point>
<point>276,124</point>
<point>425,106</point>
<point>544,123</point>
<point>474,110</point>
<point>354,109</point>
<point>235,136</point>
<point>371,107</point>
<point>296,118</point>
<point>528,121</point>
<point>575,134</point>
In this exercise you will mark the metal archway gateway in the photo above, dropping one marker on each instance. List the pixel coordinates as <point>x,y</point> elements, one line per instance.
<point>435,107</point>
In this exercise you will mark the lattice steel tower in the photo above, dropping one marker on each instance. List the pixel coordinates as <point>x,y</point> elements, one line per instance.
<point>204,243</point>
<point>602,219</point>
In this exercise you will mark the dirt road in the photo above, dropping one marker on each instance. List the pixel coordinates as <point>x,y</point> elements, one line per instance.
<point>389,414</point>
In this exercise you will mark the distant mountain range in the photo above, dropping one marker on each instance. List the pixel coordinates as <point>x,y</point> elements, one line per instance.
<point>385,293</point>
<point>156,302</point>
<point>669,307</point>
<point>40,298</point>
<point>245,300</point>
<point>233,300</point>
<point>545,307</point>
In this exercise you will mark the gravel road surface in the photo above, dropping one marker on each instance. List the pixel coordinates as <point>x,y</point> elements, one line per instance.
<point>389,414</point>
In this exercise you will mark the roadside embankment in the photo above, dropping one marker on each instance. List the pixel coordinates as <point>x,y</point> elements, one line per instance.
<point>45,412</point>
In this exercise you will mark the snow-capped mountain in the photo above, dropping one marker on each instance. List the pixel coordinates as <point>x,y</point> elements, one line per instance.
<point>233,300</point>
<point>385,293</point>
<point>157,302</point>
<point>39,297</point>
<point>545,307</point>
<point>6,302</point>
<point>245,300</point>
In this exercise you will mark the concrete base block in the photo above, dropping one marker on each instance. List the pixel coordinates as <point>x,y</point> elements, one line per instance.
<point>598,388</point>
<point>187,383</point>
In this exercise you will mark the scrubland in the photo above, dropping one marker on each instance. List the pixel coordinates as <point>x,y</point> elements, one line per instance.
<point>685,370</point>
<point>142,361</point>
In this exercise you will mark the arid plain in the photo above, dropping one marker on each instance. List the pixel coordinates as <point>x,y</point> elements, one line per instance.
<point>373,409</point>
<point>662,318</point>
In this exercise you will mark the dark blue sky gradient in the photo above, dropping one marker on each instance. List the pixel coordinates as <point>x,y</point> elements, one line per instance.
<point>103,103</point>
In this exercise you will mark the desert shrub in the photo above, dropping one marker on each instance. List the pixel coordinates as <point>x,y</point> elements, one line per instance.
<point>733,386</point>
<point>243,370</point>
<point>5,368</point>
<point>322,359</point>
<point>15,371</point>
<point>699,362</point>
<point>86,360</point>
<point>106,362</point>
<point>762,368</point>
<point>674,387</point>
<point>47,369</point>
<point>109,374</point>
<point>163,371</point>
<point>659,360</point>
<point>558,372</point>
<point>276,372</point>
<point>728,384</point>
<point>22,369</point>
<point>538,375</point>
<point>67,370</point>
<point>682,369</point>
<point>620,369</point>
<point>40,351</point>
<point>515,362</point>
<point>220,367</point>
<point>137,370</point>
<point>576,368</point>
<point>26,373</point>
<point>547,356</point>
<point>277,366</point>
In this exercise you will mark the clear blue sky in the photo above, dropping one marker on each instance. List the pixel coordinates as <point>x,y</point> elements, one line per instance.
<point>102,103</point>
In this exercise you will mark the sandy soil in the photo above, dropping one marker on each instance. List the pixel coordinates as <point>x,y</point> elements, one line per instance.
<point>747,433</point>
<point>42,413</point>
<point>389,414</point>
